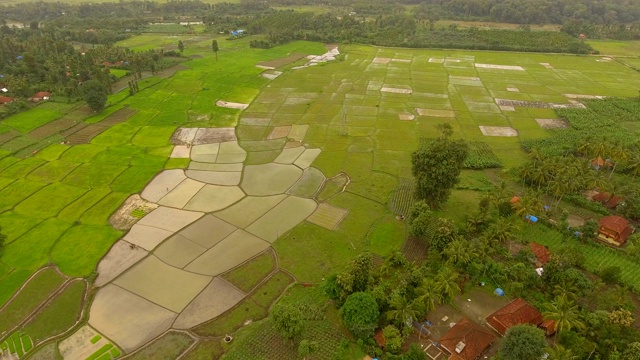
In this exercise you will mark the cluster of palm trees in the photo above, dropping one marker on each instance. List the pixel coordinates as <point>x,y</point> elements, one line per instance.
<point>408,303</point>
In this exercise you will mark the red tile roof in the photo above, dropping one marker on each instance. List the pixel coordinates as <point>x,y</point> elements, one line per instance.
<point>615,223</point>
<point>607,200</point>
<point>5,99</point>
<point>549,326</point>
<point>517,312</point>
<point>41,94</point>
<point>474,337</point>
<point>379,338</point>
<point>541,253</point>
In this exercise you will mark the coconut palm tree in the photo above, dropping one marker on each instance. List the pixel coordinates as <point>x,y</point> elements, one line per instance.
<point>558,352</point>
<point>429,294</point>
<point>459,252</point>
<point>403,312</point>
<point>565,313</point>
<point>446,281</point>
<point>633,164</point>
<point>619,153</point>
<point>502,230</point>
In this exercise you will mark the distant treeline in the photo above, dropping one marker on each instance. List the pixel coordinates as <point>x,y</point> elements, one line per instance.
<point>511,11</point>
<point>405,31</point>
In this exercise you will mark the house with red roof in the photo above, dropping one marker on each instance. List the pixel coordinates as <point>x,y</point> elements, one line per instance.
<point>614,230</point>
<point>541,252</point>
<point>42,95</point>
<point>608,200</point>
<point>466,340</point>
<point>517,312</point>
<point>6,100</point>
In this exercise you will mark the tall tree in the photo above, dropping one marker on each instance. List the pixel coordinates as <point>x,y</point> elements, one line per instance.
<point>447,282</point>
<point>214,47</point>
<point>429,294</point>
<point>94,94</point>
<point>565,313</point>
<point>180,46</point>
<point>403,311</point>
<point>307,347</point>
<point>287,320</point>
<point>559,352</point>
<point>436,166</point>
<point>360,314</point>
<point>523,342</point>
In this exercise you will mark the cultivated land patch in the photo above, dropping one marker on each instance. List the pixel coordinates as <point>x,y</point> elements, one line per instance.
<point>327,216</point>
<point>365,141</point>
<point>552,123</point>
<point>504,131</point>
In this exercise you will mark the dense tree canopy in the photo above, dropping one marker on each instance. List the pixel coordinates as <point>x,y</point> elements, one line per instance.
<point>360,314</point>
<point>523,342</point>
<point>94,94</point>
<point>436,166</point>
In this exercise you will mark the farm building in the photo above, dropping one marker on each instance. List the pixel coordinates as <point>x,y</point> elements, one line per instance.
<point>5,100</point>
<point>541,252</point>
<point>517,312</point>
<point>614,230</point>
<point>380,340</point>
<point>549,327</point>
<point>608,200</point>
<point>42,95</point>
<point>466,340</point>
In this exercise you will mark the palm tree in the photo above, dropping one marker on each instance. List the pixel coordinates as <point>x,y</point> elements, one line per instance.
<point>619,153</point>
<point>633,163</point>
<point>558,352</point>
<point>501,230</point>
<point>446,282</point>
<point>499,194</point>
<point>403,311</point>
<point>459,252</point>
<point>429,294</point>
<point>565,313</point>
<point>529,204</point>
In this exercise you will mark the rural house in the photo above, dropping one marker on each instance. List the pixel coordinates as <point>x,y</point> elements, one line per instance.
<point>608,200</point>
<point>517,312</point>
<point>42,95</point>
<point>466,340</point>
<point>614,230</point>
<point>5,100</point>
<point>541,252</point>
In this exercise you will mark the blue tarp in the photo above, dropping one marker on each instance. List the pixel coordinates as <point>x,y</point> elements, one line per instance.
<point>499,292</point>
<point>531,218</point>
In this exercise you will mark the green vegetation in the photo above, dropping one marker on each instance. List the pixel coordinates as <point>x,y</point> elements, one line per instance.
<point>248,275</point>
<point>37,290</point>
<point>59,314</point>
<point>168,347</point>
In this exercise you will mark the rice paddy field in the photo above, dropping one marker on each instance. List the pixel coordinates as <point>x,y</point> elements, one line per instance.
<point>64,171</point>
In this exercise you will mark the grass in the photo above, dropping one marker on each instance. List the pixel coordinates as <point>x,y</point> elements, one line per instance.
<point>94,242</point>
<point>386,235</point>
<point>58,315</point>
<point>616,48</point>
<point>31,296</point>
<point>247,276</point>
<point>167,347</point>
<point>205,349</point>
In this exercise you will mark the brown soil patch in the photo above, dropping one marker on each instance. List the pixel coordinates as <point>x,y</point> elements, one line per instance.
<point>276,63</point>
<point>167,73</point>
<point>214,135</point>
<point>552,123</point>
<point>327,216</point>
<point>118,116</point>
<point>279,132</point>
<point>74,129</point>
<point>415,250</point>
<point>123,219</point>
<point>52,128</point>
<point>8,136</point>
<point>86,134</point>
<point>504,131</point>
